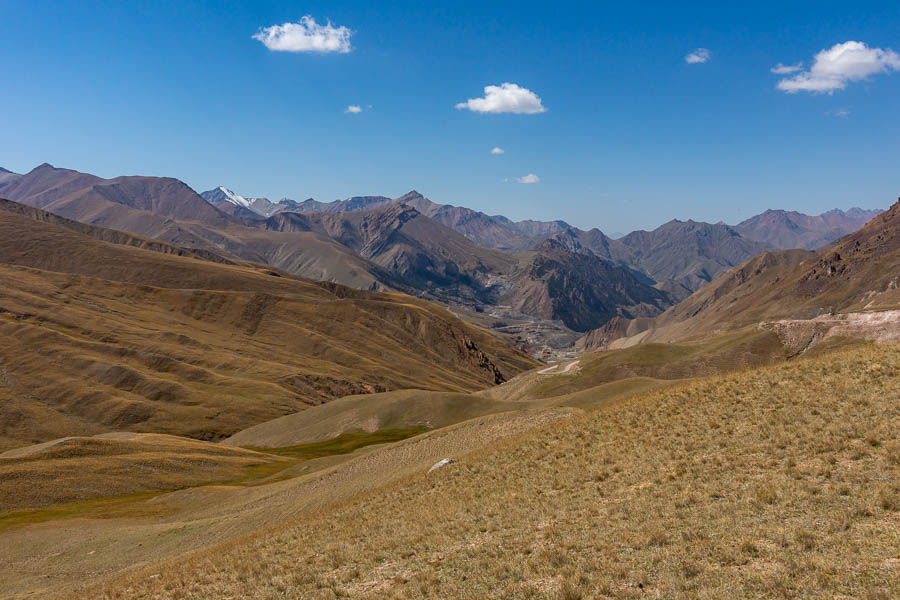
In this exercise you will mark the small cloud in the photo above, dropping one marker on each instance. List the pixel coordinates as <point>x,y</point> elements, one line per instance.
<point>497,150</point>
<point>841,112</point>
<point>835,67</point>
<point>305,36</point>
<point>781,69</point>
<point>353,109</point>
<point>530,178</point>
<point>700,55</point>
<point>505,98</point>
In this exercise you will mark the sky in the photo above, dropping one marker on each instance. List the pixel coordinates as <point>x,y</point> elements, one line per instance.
<point>617,115</point>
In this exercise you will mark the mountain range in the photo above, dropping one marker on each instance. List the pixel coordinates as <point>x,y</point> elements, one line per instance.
<point>495,232</point>
<point>548,270</point>
<point>859,273</point>
<point>784,229</point>
<point>178,400</point>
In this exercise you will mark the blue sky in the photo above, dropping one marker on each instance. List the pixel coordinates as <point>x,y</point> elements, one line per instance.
<point>632,134</point>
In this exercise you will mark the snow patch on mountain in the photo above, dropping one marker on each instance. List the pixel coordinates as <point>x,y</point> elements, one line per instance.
<point>234,198</point>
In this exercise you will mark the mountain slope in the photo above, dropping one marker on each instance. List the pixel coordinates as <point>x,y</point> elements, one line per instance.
<point>103,234</point>
<point>681,255</point>
<point>582,290</point>
<point>390,247</point>
<point>7,175</point>
<point>158,207</point>
<point>419,252</point>
<point>232,204</point>
<point>168,210</point>
<point>783,229</point>
<point>688,252</point>
<point>860,273</point>
<point>253,208</point>
<point>45,184</point>
<point>100,335</point>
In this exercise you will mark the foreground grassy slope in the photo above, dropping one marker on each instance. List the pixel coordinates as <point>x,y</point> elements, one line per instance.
<point>125,533</point>
<point>780,482</point>
<point>98,336</point>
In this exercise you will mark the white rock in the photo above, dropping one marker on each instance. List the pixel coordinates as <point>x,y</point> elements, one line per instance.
<point>441,463</point>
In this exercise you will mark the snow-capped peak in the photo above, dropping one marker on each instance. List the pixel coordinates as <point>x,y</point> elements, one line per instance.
<point>234,198</point>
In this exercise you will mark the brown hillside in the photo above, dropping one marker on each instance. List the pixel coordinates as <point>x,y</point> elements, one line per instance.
<point>168,210</point>
<point>81,468</point>
<point>779,482</point>
<point>113,236</point>
<point>99,336</point>
<point>859,273</point>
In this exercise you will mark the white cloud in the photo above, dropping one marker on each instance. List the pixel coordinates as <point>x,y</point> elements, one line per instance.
<point>354,109</point>
<point>505,98</point>
<point>841,112</point>
<point>497,150</point>
<point>835,67</point>
<point>700,55</point>
<point>781,69</point>
<point>305,36</point>
<point>530,178</point>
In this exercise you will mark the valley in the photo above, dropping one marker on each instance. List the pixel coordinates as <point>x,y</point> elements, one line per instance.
<point>449,301</point>
<point>186,386</point>
<point>455,256</point>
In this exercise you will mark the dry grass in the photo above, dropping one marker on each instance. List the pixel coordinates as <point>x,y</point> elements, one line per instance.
<point>747,347</point>
<point>342,444</point>
<point>78,469</point>
<point>781,482</point>
<point>401,409</point>
<point>101,543</point>
<point>599,378</point>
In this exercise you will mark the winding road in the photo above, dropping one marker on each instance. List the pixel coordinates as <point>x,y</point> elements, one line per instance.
<point>568,368</point>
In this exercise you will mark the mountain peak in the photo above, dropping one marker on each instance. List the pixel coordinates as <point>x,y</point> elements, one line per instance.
<point>223,194</point>
<point>410,195</point>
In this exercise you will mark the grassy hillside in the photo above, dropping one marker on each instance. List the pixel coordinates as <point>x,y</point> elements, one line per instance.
<point>122,533</point>
<point>778,482</point>
<point>592,380</point>
<point>401,409</point>
<point>82,468</point>
<point>714,355</point>
<point>99,336</point>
